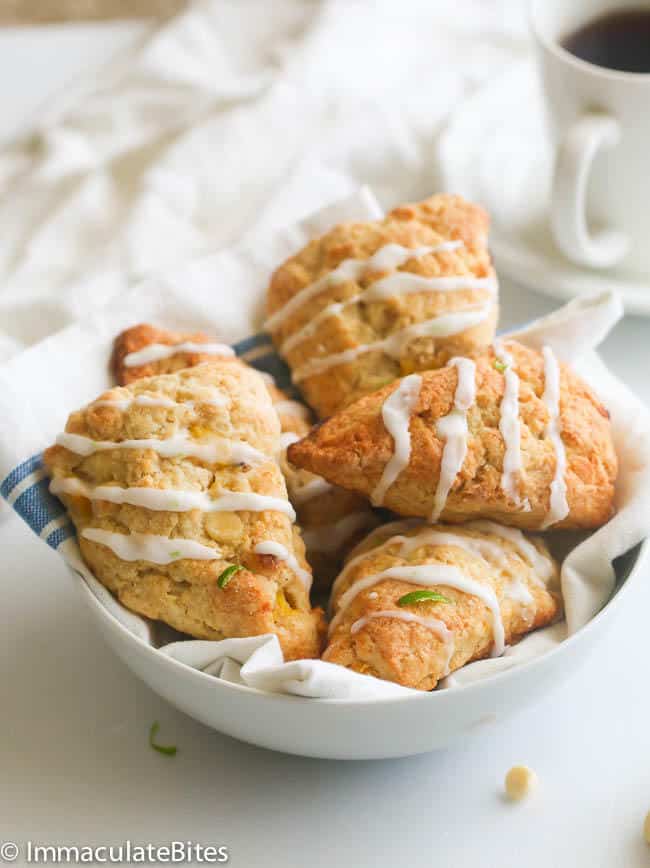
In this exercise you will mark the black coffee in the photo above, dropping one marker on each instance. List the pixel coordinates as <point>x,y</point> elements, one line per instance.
<point>617,40</point>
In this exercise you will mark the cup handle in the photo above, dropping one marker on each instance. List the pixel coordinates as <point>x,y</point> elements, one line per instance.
<point>574,157</point>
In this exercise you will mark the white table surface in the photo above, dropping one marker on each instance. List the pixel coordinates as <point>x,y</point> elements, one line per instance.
<point>75,766</point>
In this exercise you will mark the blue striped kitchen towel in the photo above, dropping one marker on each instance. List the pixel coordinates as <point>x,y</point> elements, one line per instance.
<point>26,487</point>
<point>220,294</point>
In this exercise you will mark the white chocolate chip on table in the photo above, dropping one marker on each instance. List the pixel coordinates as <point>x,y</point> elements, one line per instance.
<point>519,783</point>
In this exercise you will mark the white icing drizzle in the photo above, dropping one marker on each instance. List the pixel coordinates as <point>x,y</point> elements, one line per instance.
<point>219,451</point>
<point>542,566</point>
<point>156,352</point>
<point>434,624</point>
<point>216,399</point>
<point>396,414</point>
<point>488,551</point>
<point>171,500</point>
<point>516,590</point>
<point>270,547</point>
<point>427,575</point>
<point>388,257</point>
<point>394,345</point>
<point>407,283</point>
<point>139,400</point>
<point>392,255</point>
<point>357,559</point>
<point>151,547</point>
<point>453,429</point>
<point>400,283</point>
<point>386,531</point>
<point>292,408</point>
<point>395,529</point>
<point>510,427</point>
<point>443,572</point>
<point>481,548</point>
<point>558,505</point>
<point>328,538</point>
<point>311,327</point>
<point>314,488</point>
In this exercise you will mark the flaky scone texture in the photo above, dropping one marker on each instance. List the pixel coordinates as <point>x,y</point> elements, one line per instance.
<point>332,519</point>
<point>212,407</point>
<point>141,336</point>
<point>379,336</point>
<point>418,643</point>
<point>353,448</point>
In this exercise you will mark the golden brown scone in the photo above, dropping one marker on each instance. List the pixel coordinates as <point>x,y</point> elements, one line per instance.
<point>332,519</point>
<point>496,586</point>
<point>394,312</point>
<point>172,480</point>
<point>557,420</point>
<point>140,351</point>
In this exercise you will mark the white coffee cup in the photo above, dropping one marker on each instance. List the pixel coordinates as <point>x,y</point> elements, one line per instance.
<point>600,121</point>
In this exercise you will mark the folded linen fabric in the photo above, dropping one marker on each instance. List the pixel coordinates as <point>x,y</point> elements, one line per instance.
<point>39,386</point>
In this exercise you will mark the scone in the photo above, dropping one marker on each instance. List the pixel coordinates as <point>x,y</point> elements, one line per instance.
<point>416,602</point>
<point>369,302</point>
<point>146,351</point>
<point>514,436</point>
<point>181,509</point>
<point>332,519</point>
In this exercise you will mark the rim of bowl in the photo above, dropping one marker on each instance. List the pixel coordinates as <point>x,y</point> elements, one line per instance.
<point>554,46</point>
<point>416,695</point>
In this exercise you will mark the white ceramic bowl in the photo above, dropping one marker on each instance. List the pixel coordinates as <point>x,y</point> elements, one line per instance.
<point>359,729</point>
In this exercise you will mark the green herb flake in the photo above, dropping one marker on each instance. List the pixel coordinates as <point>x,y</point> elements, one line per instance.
<point>227,575</point>
<point>423,597</point>
<point>175,554</point>
<point>166,749</point>
<point>499,365</point>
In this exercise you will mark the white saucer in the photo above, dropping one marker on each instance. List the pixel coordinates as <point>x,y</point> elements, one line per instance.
<point>495,150</point>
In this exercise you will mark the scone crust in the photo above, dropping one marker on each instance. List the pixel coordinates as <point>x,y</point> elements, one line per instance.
<point>412,654</point>
<point>267,595</point>
<point>144,335</point>
<point>438,219</point>
<point>333,520</point>
<point>352,448</point>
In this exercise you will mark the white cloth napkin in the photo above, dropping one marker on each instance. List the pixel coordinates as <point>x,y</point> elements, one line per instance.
<point>232,118</point>
<point>39,387</point>
<point>222,126</point>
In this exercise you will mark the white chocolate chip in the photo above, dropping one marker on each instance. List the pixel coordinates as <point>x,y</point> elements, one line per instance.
<point>646,828</point>
<point>520,780</point>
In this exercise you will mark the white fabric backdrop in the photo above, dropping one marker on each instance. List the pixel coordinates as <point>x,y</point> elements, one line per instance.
<point>38,385</point>
<point>230,121</point>
<point>237,116</point>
